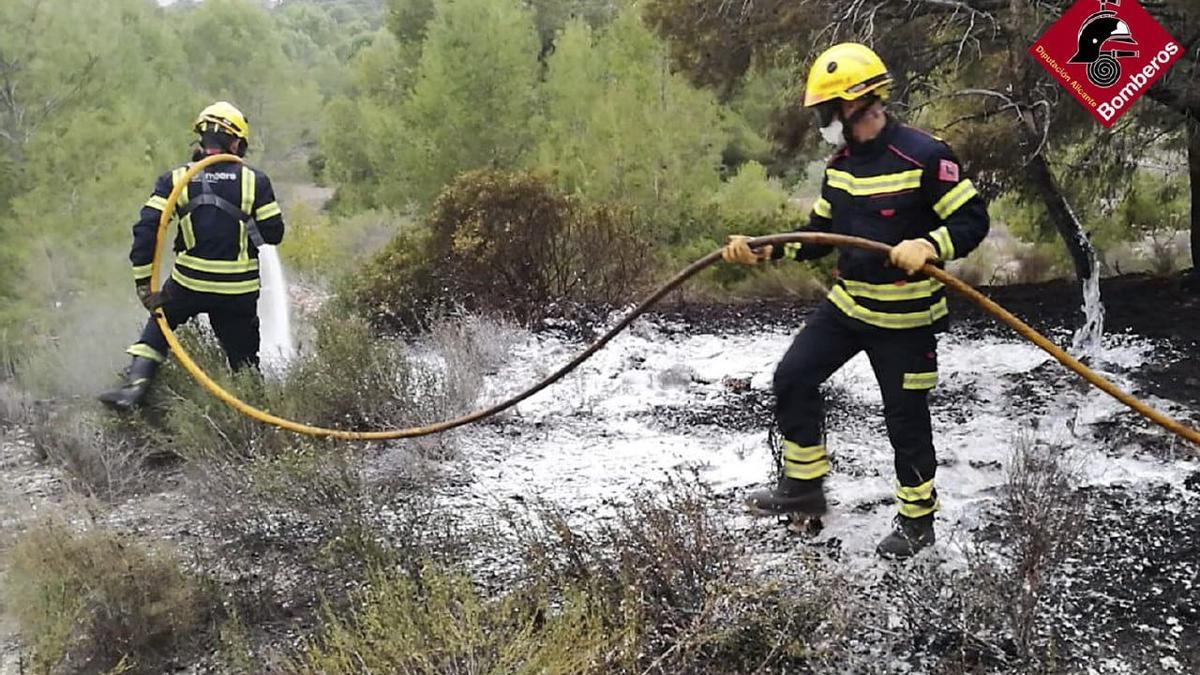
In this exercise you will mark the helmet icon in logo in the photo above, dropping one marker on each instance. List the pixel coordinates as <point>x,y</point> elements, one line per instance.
<point>1101,39</point>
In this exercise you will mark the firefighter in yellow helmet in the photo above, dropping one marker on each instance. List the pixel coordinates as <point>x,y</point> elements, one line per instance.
<point>226,212</point>
<point>896,184</point>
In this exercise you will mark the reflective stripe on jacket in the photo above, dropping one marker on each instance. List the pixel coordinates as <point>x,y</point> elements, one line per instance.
<point>903,184</point>
<point>214,250</point>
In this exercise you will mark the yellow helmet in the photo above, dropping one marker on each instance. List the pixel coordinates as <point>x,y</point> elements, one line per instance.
<point>223,116</point>
<point>846,71</point>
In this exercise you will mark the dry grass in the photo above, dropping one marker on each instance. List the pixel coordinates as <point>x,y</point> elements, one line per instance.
<point>95,602</point>
<point>997,612</point>
<point>655,588</point>
<point>100,459</point>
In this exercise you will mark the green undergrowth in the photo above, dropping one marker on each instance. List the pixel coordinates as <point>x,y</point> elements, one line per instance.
<point>98,602</point>
<point>655,589</point>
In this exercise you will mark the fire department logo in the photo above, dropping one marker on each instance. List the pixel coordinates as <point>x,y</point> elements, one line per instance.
<point>1106,53</point>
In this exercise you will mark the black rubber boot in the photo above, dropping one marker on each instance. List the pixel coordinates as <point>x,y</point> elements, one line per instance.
<point>806,497</point>
<point>908,538</point>
<point>137,382</point>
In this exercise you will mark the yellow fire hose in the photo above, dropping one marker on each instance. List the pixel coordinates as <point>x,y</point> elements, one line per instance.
<point>777,239</point>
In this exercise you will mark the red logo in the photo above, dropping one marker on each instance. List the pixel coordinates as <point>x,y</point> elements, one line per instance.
<point>948,171</point>
<point>1107,53</point>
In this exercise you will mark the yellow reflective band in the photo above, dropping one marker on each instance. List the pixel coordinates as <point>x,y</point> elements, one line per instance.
<point>176,176</point>
<point>918,381</point>
<point>247,189</point>
<point>141,271</point>
<point>810,471</point>
<point>791,248</point>
<point>823,208</point>
<point>157,203</point>
<point>244,242</point>
<point>146,352</point>
<point>918,510</point>
<point>804,462</point>
<point>794,452</point>
<point>945,244</point>
<point>219,287</point>
<point>954,199</point>
<point>918,493</point>
<point>896,321</point>
<point>216,266</point>
<point>873,185</point>
<point>189,235</point>
<point>912,290</point>
<point>267,211</point>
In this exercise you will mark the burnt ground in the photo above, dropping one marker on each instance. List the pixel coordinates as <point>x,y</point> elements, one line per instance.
<point>1130,591</point>
<point>1148,306</point>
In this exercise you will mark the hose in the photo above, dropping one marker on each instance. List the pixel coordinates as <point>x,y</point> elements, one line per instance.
<point>810,238</point>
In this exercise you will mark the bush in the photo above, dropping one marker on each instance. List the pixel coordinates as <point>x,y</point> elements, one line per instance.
<point>1001,610</point>
<point>398,287</point>
<point>505,242</point>
<point>319,506</point>
<point>101,459</point>
<point>15,406</point>
<point>325,246</point>
<point>439,622</point>
<point>347,378</point>
<point>657,588</point>
<point>99,602</point>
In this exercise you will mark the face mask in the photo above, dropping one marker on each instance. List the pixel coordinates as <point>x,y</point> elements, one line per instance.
<point>832,133</point>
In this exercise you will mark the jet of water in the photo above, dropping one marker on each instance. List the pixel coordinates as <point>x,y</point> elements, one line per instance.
<point>277,348</point>
<point>1087,338</point>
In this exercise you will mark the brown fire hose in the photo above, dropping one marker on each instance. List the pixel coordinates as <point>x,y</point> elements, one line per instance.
<point>691,270</point>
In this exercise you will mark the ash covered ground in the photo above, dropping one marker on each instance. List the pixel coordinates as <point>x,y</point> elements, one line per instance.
<point>686,392</point>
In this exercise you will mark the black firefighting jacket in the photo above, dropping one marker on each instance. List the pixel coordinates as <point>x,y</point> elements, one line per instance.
<point>903,184</point>
<point>225,212</point>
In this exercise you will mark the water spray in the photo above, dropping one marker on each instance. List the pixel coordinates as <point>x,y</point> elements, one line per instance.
<point>810,238</point>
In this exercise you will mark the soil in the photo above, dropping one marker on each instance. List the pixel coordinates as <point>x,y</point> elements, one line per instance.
<point>1129,593</point>
<point>1148,306</point>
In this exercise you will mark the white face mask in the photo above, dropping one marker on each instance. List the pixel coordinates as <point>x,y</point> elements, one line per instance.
<point>833,133</point>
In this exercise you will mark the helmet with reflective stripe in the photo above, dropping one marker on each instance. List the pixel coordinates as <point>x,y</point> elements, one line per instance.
<point>223,116</point>
<point>846,71</point>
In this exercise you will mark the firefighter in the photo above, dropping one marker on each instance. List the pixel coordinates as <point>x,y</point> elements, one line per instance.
<point>901,186</point>
<point>226,212</point>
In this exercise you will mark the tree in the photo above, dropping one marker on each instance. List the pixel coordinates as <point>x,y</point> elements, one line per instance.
<point>235,52</point>
<point>79,126</point>
<point>1179,92</point>
<point>620,126</point>
<point>962,62</point>
<point>473,100</point>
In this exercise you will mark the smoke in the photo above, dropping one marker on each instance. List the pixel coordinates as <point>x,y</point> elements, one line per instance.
<point>83,351</point>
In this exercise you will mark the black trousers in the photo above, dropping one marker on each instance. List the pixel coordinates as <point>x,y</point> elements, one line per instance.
<point>234,320</point>
<point>905,365</point>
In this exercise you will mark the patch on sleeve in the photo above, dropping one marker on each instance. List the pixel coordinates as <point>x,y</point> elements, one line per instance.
<point>948,171</point>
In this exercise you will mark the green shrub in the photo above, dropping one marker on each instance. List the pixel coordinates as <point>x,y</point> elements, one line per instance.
<point>96,601</point>
<point>330,246</point>
<point>438,622</point>
<point>347,378</point>
<point>656,588</point>
<point>504,242</point>
<point>398,287</point>
<point>99,455</point>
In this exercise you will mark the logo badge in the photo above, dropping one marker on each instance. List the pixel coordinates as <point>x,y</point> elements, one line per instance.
<point>948,171</point>
<point>1107,53</point>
